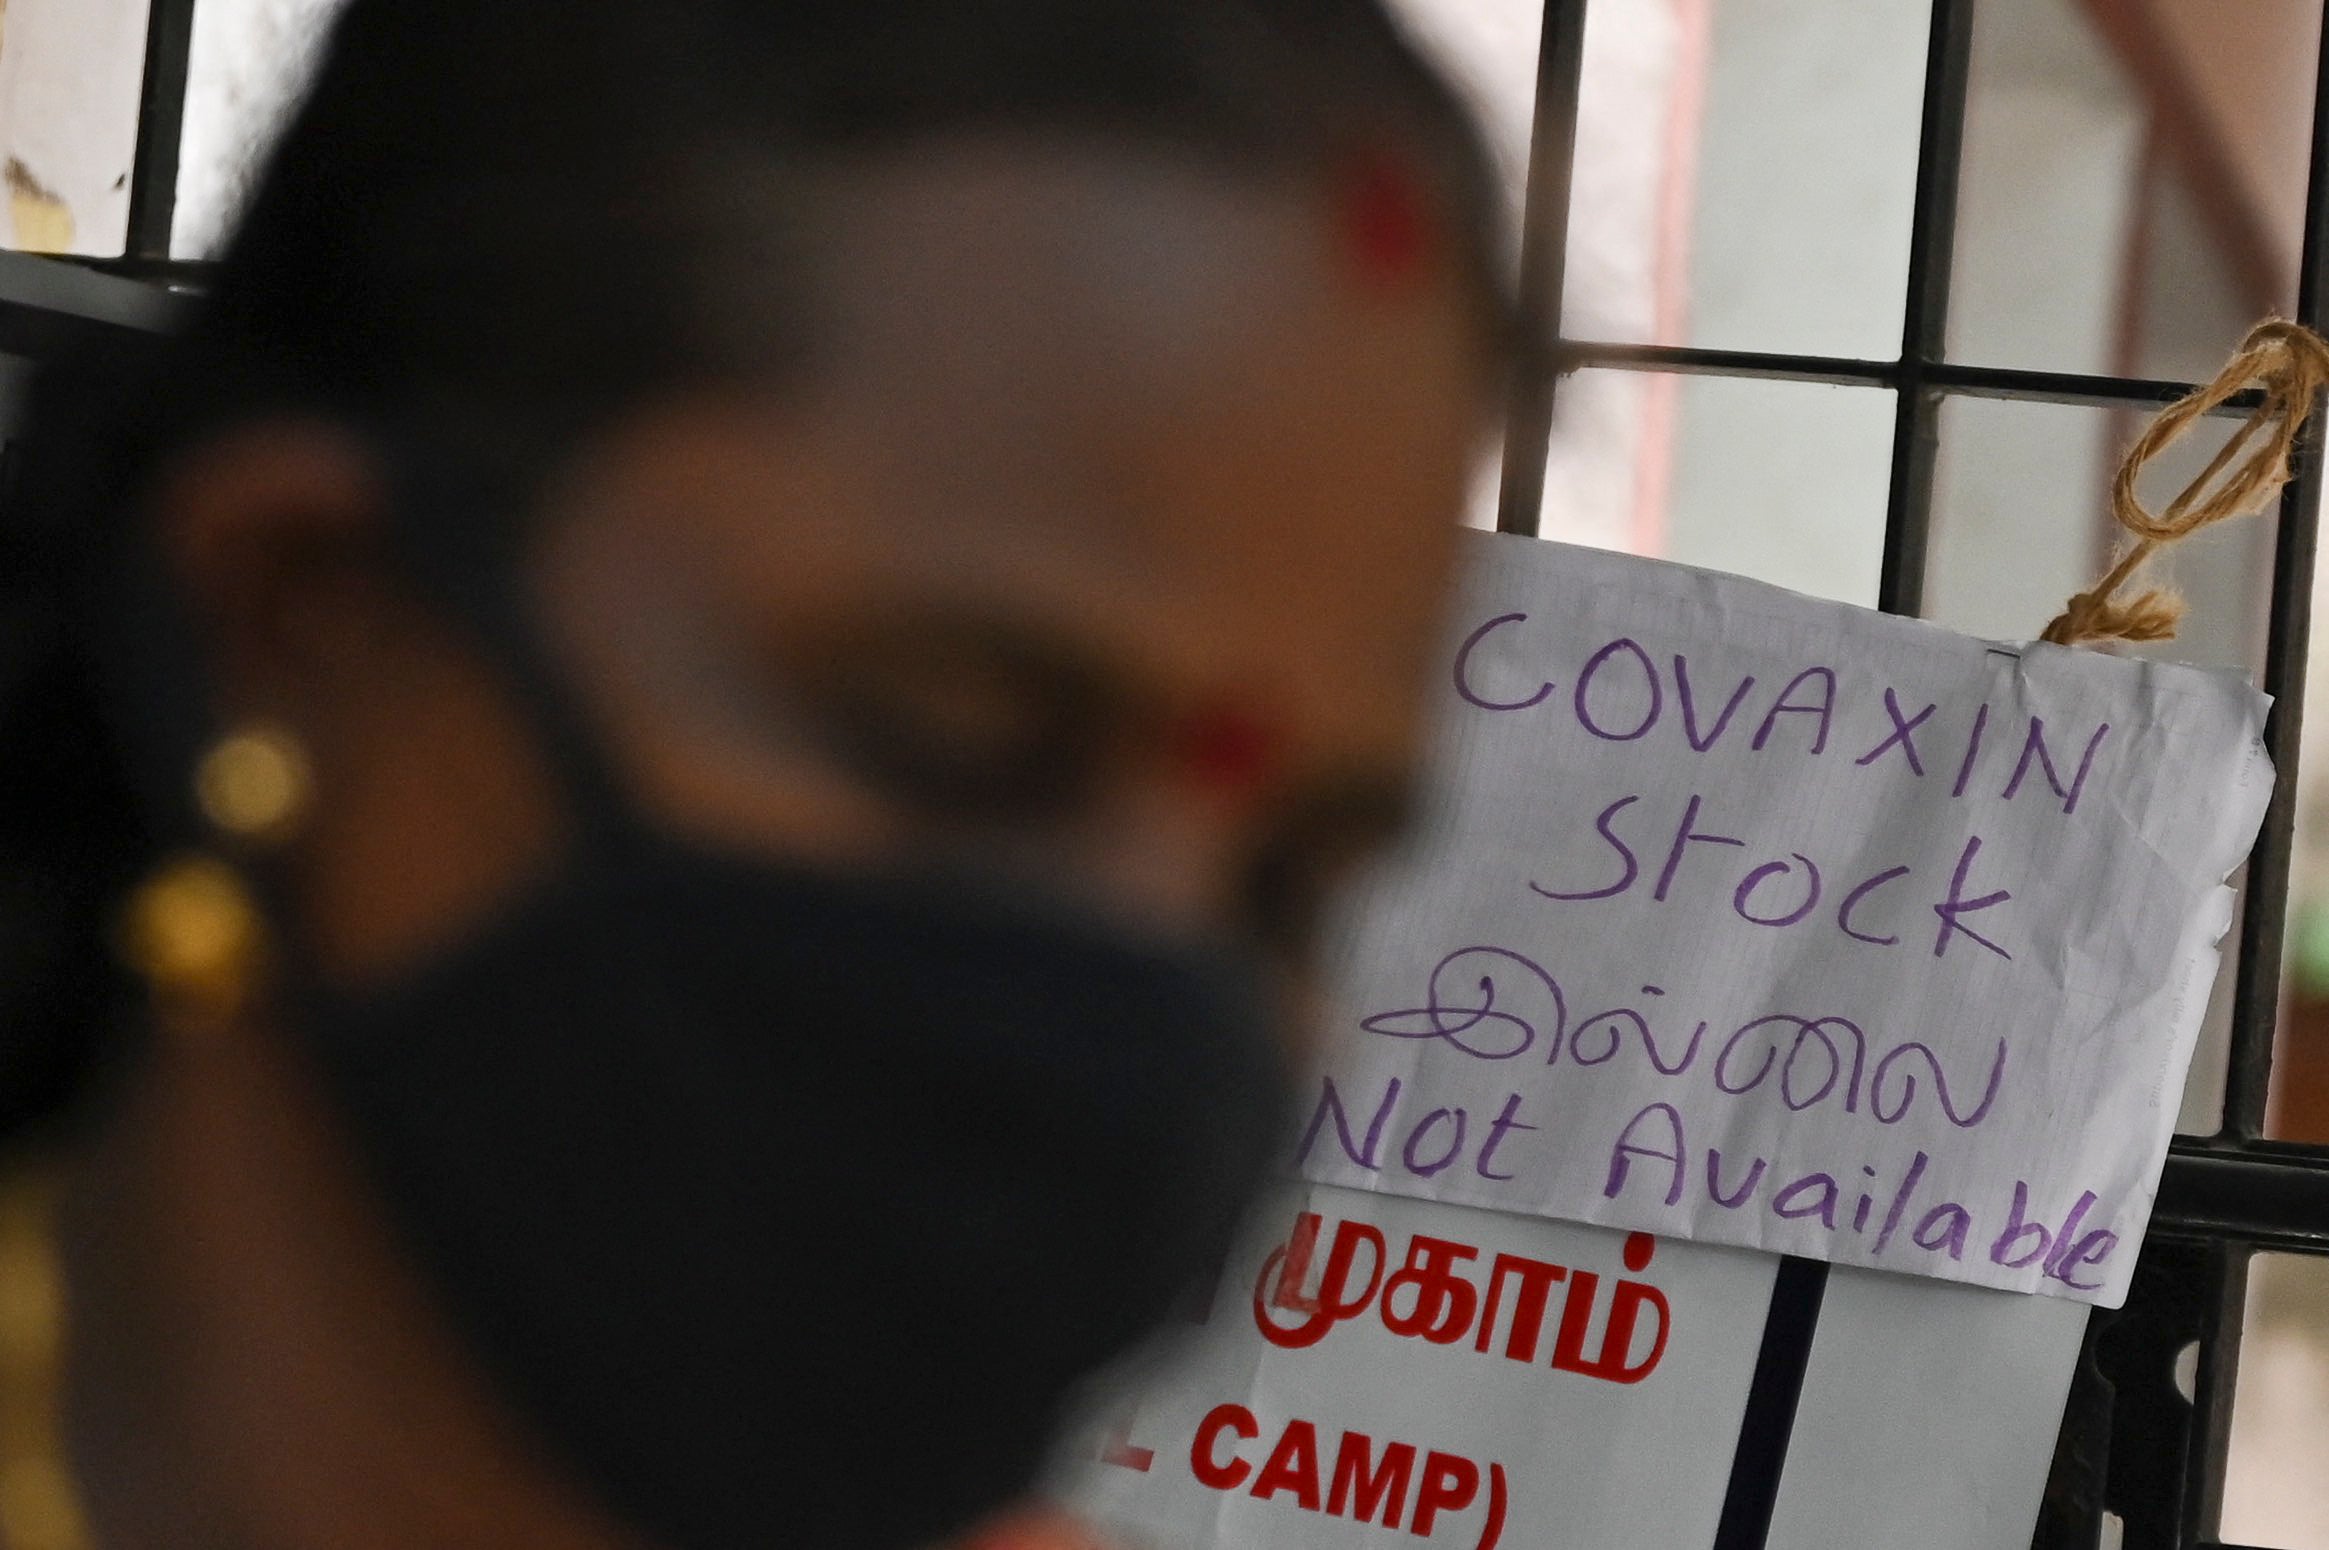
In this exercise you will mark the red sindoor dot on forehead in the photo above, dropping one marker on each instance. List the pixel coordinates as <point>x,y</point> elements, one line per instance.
<point>1385,223</point>
<point>1227,750</point>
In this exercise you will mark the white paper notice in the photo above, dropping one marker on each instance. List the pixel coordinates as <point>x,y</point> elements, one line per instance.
<point>1375,1369</point>
<point>1761,920</point>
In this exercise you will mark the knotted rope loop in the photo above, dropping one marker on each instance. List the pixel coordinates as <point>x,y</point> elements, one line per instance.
<point>2289,365</point>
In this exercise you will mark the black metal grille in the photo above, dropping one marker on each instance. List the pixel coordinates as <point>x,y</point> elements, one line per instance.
<point>2131,1446</point>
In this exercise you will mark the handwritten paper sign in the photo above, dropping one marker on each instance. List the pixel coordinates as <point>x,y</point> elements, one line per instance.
<point>1372,1369</point>
<point>1766,921</point>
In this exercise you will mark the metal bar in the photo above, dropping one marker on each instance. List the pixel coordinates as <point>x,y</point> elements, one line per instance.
<point>1577,354</point>
<point>1768,1425</point>
<point>2060,387</point>
<point>1925,326</point>
<point>1544,262</point>
<point>2217,1373</point>
<point>55,311</point>
<point>2148,1458</point>
<point>2078,1481</point>
<point>2256,999</point>
<point>2011,383</point>
<point>31,284</point>
<point>186,276</point>
<point>153,194</point>
<point>2264,1196</point>
<point>1940,151</point>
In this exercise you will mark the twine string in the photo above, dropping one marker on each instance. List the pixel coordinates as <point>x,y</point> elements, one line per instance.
<point>2289,365</point>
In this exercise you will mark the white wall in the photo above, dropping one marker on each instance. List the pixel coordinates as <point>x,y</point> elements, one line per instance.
<point>71,72</point>
<point>250,60</point>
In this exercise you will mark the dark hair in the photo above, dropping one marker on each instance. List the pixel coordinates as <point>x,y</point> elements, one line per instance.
<point>494,222</point>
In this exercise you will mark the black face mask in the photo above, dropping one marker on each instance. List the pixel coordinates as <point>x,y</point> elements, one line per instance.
<point>789,1206</point>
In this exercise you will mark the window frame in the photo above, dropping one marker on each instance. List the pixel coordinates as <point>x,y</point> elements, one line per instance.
<point>153,200</point>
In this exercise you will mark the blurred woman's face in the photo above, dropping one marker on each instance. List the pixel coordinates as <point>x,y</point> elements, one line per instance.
<point>1104,544</point>
<point>1102,547</point>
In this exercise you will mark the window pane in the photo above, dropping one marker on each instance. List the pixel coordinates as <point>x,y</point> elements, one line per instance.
<point>2133,188</point>
<point>2276,1494</point>
<point>1746,173</point>
<point>2021,521</point>
<point>250,61</point>
<point>1782,481</point>
<point>70,76</point>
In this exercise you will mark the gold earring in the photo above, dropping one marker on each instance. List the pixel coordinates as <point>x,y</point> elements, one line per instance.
<point>255,785</point>
<point>195,935</point>
<point>192,930</point>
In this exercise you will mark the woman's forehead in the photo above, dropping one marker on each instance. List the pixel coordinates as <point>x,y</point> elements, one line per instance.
<point>1039,259</point>
<point>1037,307</point>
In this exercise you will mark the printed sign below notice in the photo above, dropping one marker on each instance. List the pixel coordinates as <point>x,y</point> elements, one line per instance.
<point>1378,1370</point>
